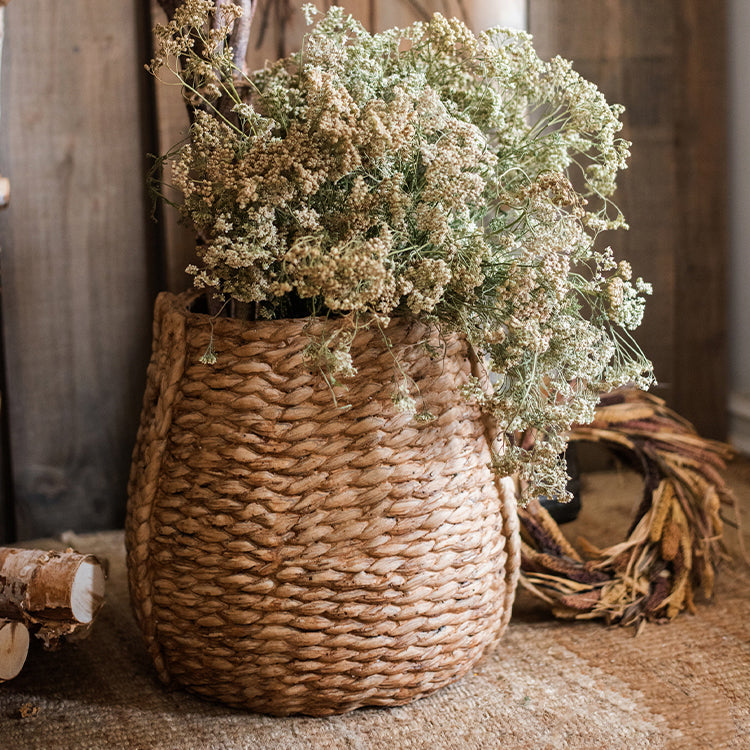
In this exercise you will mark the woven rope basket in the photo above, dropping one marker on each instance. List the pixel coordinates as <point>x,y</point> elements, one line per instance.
<point>290,555</point>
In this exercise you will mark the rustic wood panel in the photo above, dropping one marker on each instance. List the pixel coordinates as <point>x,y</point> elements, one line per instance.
<point>663,59</point>
<point>76,282</point>
<point>701,270</point>
<point>7,491</point>
<point>7,509</point>
<point>171,126</point>
<point>78,271</point>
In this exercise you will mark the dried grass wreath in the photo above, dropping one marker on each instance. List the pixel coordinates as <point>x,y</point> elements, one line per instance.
<point>675,539</point>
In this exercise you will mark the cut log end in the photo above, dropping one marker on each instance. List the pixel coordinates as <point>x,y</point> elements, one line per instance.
<point>4,190</point>
<point>58,591</point>
<point>14,646</point>
<point>87,591</point>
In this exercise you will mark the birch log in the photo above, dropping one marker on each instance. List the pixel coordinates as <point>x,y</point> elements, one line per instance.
<point>54,593</point>
<point>14,646</point>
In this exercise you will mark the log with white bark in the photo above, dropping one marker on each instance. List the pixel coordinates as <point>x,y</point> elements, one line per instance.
<point>14,645</point>
<point>4,192</point>
<point>53,593</point>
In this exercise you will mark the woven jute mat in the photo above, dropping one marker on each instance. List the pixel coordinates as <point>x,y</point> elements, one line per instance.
<point>550,683</point>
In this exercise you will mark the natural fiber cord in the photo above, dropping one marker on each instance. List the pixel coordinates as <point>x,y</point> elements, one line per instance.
<point>675,542</point>
<point>291,554</point>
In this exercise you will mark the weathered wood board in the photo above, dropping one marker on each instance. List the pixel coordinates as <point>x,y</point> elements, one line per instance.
<point>79,267</point>
<point>76,290</point>
<point>664,60</point>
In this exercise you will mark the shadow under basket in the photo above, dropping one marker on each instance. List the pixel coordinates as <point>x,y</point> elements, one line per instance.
<point>292,553</point>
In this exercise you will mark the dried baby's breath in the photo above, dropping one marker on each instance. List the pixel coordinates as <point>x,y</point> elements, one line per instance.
<point>424,172</point>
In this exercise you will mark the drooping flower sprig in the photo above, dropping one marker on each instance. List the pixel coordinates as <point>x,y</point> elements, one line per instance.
<point>427,172</point>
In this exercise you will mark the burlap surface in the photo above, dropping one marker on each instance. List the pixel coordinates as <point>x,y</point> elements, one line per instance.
<point>549,684</point>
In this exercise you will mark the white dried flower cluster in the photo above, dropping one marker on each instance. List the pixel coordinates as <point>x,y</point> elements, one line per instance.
<point>424,172</point>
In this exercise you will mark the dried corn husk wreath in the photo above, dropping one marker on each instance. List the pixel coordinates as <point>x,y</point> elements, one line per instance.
<point>675,540</point>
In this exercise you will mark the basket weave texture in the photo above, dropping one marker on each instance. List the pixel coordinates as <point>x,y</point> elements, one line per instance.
<point>289,554</point>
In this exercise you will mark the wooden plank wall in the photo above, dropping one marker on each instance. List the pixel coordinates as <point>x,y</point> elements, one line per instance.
<point>77,284</point>
<point>80,267</point>
<point>664,60</point>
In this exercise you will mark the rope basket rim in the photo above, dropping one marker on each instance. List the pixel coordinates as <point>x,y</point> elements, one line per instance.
<point>184,302</point>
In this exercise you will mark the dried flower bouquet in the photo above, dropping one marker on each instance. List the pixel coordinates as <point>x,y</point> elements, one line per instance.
<point>421,172</point>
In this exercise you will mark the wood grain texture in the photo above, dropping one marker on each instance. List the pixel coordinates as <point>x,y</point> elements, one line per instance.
<point>701,270</point>
<point>76,298</point>
<point>7,509</point>
<point>171,126</point>
<point>663,59</point>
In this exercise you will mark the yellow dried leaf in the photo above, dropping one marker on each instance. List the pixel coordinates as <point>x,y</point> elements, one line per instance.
<point>570,614</point>
<point>542,517</point>
<point>614,596</point>
<point>676,599</point>
<point>712,506</point>
<point>535,590</point>
<point>606,436</point>
<point>608,415</point>
<point>589,550</point>
<point>708,575</point>
<point>689,603</point>
<point>558,583</point>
